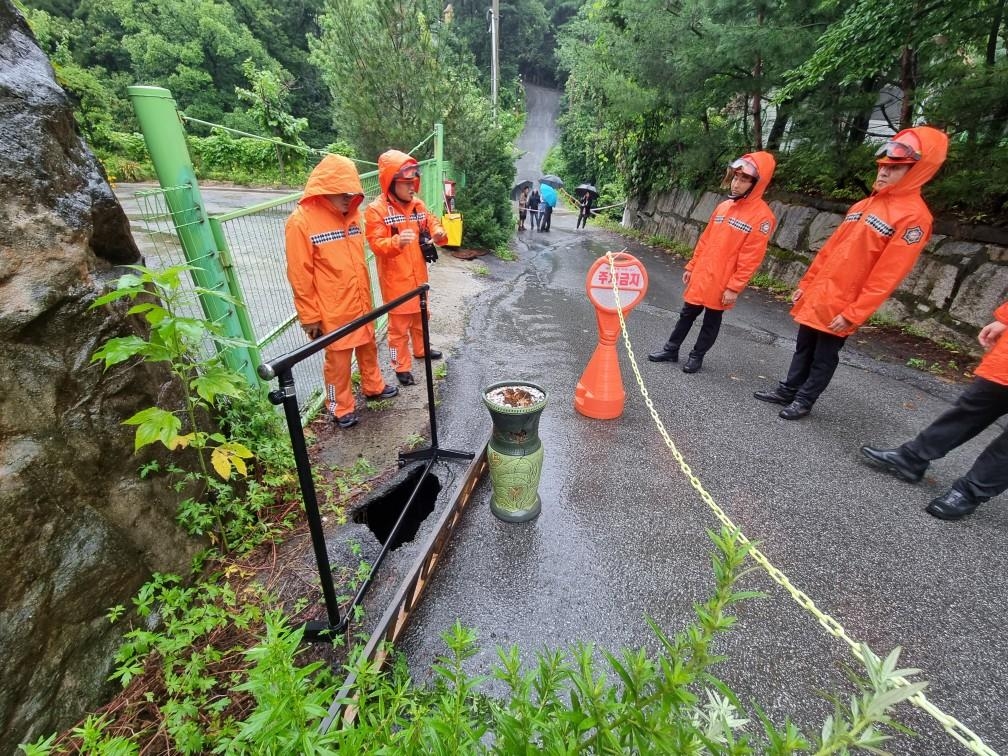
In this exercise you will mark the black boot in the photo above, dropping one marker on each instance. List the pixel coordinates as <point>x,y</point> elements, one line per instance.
<point>348,420</point>
<point>777,396</point>
<point>405,378</point>
<point>665,354</point>
<point>952,505</point>
<point>435,354</point>
<point>895,462</point>
<point>794,411</point>
<point>693,364</point>
<point>386,393</point>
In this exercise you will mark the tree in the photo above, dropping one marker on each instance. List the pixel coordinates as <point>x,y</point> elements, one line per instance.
<point>194,48</point>
<point>406,72</point>
<point>267,102</point>
<point>924,47</point>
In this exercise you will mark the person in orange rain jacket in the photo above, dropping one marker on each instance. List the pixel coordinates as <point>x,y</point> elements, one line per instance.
<point>726,255</point>
<point>984,401</point>
<point>864,260</point>
<point>329,277</point>
<point>395,222</point>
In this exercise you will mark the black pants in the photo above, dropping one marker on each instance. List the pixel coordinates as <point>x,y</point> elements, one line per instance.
<point>978,406</point>
<point>547,215</point>
<point>708,330</point>
<point>582,220</point>
<point>535,218</point>
<point>816,357</point>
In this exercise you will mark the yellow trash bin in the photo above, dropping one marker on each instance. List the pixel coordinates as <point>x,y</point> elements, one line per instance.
<point>452,223</point>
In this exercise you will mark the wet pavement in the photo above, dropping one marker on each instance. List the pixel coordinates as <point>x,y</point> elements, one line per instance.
<point>622,535</point>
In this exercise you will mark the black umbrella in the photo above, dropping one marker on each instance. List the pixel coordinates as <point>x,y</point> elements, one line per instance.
<point>555,181</point>
<point>527,184</point>
<point>586,189</point>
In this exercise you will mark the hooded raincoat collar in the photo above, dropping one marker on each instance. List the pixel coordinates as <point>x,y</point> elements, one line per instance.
<point>335,174</point>
<point>389,164</point>
<point>934,148</point>
<point>765,164</point>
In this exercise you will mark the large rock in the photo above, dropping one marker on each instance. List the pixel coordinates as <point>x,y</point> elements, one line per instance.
<point>80,531</point>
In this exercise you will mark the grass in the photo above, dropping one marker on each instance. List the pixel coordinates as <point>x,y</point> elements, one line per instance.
<point>768,282</point>
<point>503,252</point>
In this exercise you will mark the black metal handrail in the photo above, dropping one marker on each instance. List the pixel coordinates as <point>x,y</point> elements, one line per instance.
<point>282,369</point>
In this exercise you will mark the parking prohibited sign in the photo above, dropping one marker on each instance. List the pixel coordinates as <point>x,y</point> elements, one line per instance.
<point>631,280</point>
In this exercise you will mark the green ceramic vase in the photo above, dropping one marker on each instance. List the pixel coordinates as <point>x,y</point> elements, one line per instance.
<point>515,454</point>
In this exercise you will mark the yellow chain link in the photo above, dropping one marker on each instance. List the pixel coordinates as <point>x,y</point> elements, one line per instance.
<point>952,726</point>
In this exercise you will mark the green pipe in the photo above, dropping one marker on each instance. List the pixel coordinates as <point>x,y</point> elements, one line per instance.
<point>159,121</point>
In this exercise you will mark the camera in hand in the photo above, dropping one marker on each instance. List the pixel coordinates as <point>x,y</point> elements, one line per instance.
<point>427,246</point>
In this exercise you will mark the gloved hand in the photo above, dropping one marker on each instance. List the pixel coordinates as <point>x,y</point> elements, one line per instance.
<point>312,330</point>
<point>427,246</point>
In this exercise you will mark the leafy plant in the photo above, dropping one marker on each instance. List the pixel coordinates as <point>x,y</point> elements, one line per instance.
<point>580,700</point>
<point>176,339</point>
<point>587,700</point>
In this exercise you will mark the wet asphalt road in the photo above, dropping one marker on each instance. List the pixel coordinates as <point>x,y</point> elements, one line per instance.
<point>622,534</point>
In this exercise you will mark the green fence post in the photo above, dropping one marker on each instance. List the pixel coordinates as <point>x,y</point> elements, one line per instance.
<point>234,288</point>
<point>162,129</point>
<point>439,164</point>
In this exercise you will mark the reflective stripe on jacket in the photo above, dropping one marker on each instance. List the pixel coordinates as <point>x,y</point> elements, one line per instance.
<point>733,244</point>
<point>399,270</point>
<point>326,266</point>
<point>873,249</point>
<point>994,365</point>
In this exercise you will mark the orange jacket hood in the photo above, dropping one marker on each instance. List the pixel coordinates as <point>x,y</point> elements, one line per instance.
<point>389,164</point>
<point>934,148</point>
<point>765,163</point>
<point>335,175</point>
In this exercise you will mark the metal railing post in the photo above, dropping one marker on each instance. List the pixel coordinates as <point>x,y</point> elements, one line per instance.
<point>162,129</point>
<point>316,630</point>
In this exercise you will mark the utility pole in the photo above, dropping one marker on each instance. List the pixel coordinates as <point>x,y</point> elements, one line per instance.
<point>494,13</point>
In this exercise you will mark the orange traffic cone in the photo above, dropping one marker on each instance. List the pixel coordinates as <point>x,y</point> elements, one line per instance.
<point>599,392</point>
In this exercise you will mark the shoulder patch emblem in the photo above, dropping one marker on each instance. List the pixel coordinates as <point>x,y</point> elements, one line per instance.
<point>913,235</point>
<point>765,227</point>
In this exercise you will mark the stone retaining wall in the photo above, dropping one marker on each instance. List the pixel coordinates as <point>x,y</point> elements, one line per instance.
<point>950,294</point>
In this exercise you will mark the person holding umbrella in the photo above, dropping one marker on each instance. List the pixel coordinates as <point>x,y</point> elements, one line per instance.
<point>549,200</point>
<point>587,194</point>
<point>534,200</point>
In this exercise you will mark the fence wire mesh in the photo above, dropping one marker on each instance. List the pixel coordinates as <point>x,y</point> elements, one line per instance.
<point>252,251</point>
<point>156,227</point>
<point>254,241</point>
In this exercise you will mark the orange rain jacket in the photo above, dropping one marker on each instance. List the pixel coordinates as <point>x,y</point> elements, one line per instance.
<point>399,269</point>
<point>733,244</point>
<point>994,365</point>
<point>325,253</point>
<point>874,248</point>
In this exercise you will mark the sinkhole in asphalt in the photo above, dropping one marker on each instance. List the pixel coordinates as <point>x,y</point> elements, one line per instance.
<point>381,513</point>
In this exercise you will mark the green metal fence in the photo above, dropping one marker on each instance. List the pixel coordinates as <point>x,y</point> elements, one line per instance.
<point>242,251</point>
